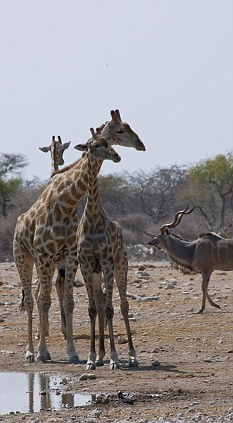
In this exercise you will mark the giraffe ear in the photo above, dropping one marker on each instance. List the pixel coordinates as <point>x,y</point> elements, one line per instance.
<point>45,149</point>
<point>81,147</point>
<point>65,145</point>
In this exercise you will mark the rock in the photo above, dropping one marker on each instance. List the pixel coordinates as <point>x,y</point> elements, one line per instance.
<point>87,376</point>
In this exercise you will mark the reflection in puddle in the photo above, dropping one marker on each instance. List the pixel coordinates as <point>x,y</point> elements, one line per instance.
<point>31,392</point>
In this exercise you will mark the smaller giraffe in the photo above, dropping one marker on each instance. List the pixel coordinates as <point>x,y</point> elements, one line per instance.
<point>56,150</point>
<point>100,251</point>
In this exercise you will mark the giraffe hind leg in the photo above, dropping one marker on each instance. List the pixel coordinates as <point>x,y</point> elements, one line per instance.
<point>24,263</point>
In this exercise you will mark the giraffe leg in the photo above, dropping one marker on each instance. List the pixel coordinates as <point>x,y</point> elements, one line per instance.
<point>87,273</point>
<point>121,270</point>
<point>45,273</point>
<point>99,300</point>
<point>37,336</point>
<point>91,362</point>
<point>24,263</point>
<point>59,284</point>
<point>109,313</point>
<point>68,304</point>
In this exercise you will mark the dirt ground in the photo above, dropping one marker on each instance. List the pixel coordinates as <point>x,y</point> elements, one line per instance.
<point>185,368</point>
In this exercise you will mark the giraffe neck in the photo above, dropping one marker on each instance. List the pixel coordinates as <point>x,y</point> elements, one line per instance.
<point>66,188</point>
<point>92,204</point>
<point>54,158</point>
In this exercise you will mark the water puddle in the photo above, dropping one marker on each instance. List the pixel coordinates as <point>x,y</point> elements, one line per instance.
<point>31,392</point>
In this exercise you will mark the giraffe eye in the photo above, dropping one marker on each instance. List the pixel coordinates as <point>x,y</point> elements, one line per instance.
<point>119,132</point>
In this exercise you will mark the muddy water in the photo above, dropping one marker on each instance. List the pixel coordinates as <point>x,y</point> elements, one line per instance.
<point>31,392</point>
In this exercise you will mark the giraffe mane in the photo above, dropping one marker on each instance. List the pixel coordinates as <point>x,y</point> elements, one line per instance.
<point>64,169</point>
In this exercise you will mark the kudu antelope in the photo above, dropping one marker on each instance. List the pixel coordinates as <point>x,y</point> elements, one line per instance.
<point>203,255</point>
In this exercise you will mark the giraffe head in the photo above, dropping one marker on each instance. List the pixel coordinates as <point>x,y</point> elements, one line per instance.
<point>120,133</point>
<point>57,149</point>
<point>99,147</point>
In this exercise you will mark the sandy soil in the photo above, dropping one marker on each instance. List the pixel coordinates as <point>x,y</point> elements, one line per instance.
<point>186,359</point>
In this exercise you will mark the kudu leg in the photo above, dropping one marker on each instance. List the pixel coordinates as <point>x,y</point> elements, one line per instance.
<point>205,295</point>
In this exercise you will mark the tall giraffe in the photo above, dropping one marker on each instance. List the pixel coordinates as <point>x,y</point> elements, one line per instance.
<point>100,250</point>
<point>46,234</point>
<point>56,149</point>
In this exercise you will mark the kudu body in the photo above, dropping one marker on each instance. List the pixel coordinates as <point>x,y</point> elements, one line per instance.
<point>207,253</point>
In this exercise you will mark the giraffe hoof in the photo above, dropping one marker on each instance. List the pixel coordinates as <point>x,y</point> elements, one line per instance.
<point>74,360</point>
<point>200,311</point>
<point>114,366</point>
<point>48,356</point>
<point>91,366</point>
<point>29,358</point>
<point>133,362</point>
<point>99,363</point>
<point>41,358</point>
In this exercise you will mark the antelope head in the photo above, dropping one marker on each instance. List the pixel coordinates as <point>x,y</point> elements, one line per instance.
<point>159,241</point>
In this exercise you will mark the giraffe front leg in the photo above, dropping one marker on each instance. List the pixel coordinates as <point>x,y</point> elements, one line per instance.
<point>109,313</point>
<point>114,361</point>
<point>43,353</point>
<point>37,336</point>
<point>59,284</point>
<point>99,300</point>
<point>91,361</point>
<point>29,357</point>
<point>45,273</point>
<point>68,304</point>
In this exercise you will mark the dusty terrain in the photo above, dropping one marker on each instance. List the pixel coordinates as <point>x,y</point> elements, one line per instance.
<point>186,359</point>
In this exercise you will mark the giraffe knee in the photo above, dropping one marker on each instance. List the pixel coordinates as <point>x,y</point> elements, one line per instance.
<point>46,306</point>
<point>69,306</point>
<point>92,312</point>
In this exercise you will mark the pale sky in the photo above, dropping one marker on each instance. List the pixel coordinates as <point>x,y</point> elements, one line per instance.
<point>167,65</point>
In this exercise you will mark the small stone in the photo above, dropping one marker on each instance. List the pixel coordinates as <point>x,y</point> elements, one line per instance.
<point>87,376</point>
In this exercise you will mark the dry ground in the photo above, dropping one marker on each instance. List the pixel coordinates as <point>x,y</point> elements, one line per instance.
<point>186,359</point>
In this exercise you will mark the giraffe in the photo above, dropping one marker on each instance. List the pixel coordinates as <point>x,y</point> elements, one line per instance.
<point>56,149</point>
<point>46,234</point>
<point>119,133</point>
<point>100,250</point>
